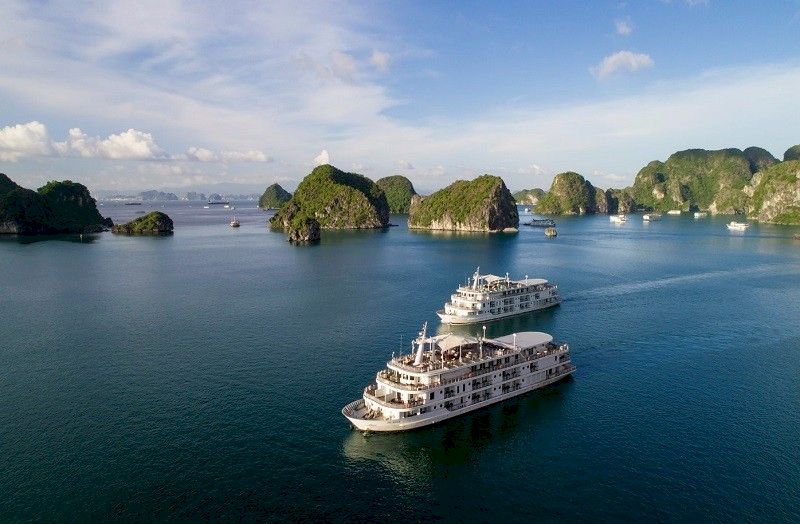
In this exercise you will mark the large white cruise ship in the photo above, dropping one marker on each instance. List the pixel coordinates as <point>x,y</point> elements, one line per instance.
<point>489,297</point>
<point>449,375</point>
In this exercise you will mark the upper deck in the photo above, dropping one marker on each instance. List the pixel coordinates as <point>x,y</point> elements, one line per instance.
<point>443,354</point>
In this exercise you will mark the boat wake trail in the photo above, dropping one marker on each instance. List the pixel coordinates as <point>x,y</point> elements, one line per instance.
<point>647,285</point>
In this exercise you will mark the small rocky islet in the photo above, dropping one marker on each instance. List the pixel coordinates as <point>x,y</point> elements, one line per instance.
<point>153,223</point>
<point>483,204</point>
<point>274,197</point>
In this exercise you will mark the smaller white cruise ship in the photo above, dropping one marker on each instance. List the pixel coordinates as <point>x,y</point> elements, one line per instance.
<point>738,226</point>
<point>490,297</point>
<point>449,375</point>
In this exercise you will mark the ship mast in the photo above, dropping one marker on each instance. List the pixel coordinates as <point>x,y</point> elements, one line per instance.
<point>421,345</point>
<point>476,277</point>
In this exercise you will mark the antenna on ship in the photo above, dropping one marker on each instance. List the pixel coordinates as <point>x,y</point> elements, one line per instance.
<point>476,277</point>
<point>480,346</point>
<point>421,346</point>
<point>515,341</point>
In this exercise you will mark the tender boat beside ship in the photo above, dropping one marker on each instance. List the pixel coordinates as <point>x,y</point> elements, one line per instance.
<point>449,375</point>
<point>490,297</point>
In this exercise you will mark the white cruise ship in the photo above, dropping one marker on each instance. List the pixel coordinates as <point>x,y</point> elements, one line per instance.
<point>489,297</point>
<point>449,375</point>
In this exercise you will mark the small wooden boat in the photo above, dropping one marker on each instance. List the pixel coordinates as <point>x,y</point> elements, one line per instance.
<point>551,232</point>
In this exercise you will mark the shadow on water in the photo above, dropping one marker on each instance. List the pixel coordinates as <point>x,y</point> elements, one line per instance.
<point>417,455</point>
<point>87,238</point>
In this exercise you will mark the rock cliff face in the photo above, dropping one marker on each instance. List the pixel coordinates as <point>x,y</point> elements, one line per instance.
<point>153,223</point>
<point>399,190</point>
<point>482,204</point>
<point>274,197</point>
<point>336,200</point>
<point>697,179</point>
<point>775,194</point>
<point>571,194</point>
<point>528,197</point>
<point>57,207</point>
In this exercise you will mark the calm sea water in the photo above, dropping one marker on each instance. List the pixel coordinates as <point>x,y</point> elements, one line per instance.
<point>201,376</point>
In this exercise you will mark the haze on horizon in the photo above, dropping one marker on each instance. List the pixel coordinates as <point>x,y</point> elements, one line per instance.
<point>194,95</point>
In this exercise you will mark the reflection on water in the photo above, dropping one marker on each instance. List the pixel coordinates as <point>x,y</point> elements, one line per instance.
<point>87,238</point>
<point>417,456</point>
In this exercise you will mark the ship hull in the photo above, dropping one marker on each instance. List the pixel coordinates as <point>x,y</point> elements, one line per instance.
<point>455,319</point>
<point>351,411</point>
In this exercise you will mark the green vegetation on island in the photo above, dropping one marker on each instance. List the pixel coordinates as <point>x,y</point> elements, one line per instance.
<point>57,207</point>
<point>274,197</point>
<point>695,179</point>
<point>528,197</point>
<point>482,204</point>
<point>775,194</point>
<point>336,200</point>
<point>398,190</point>
<point>570,194</point>
<point>153,223</point>
<point>759,158</point>
<point>793,153</point>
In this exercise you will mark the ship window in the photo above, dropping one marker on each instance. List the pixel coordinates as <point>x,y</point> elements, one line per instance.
<point>432,395</point>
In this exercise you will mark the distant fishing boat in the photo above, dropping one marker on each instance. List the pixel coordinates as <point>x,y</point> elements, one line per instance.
<point>618,219</point>
<point>133,203</point>
<point>218,202</point>
<point>651,217</point>
<point>235,221</point>
<point>551,232</point>
<point>536,222</point>
<point>674,212</point>
<point>700,214</point>
<point>738,226</point>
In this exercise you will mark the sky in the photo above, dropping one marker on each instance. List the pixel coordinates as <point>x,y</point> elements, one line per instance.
<point>212,95</point>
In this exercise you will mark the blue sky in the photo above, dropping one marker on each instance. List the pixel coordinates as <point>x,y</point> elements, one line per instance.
<point>194,95</point>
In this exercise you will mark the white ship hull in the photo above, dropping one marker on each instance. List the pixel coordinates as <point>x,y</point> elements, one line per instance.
<point>449,375</point>
<point>489,317</point>
<point>358,407</point>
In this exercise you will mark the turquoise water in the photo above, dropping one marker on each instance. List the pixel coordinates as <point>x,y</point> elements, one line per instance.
<point>201,376</point>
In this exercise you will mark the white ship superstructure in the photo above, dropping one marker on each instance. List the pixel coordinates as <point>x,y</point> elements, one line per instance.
<point>490,297</point>
<point>449,375</point>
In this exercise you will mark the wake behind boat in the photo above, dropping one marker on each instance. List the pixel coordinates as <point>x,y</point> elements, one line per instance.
<point>490,297</point>
<point>449,375</point>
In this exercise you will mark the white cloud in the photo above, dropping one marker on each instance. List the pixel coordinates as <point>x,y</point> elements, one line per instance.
<point>201,154</point>
<point>128,145</point>
<point>343,65</point>
<point>404,164</point>
<point>251,155</point>
<point>622,61</point>
<point>623,27</point>
<point>23,140</point>
<point>380,60</point>
<point>322,158</point>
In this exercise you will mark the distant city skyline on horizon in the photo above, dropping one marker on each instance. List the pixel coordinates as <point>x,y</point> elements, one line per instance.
<point>130,96</point>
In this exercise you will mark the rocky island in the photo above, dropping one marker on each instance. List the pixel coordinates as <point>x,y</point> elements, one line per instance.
<point>571,194</point>
<point>57,207</point>
<point>274,197</point>
<point>398,190</point>
<point>482,204</point>
<point>528,197</point>
<point>334,199</point>
<point>153,223</point>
